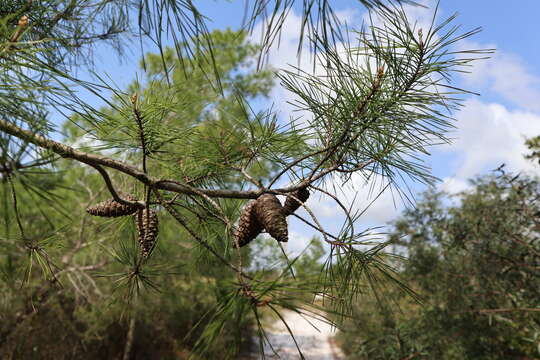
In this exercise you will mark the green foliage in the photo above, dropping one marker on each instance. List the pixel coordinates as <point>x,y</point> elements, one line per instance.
<point>473,258</point>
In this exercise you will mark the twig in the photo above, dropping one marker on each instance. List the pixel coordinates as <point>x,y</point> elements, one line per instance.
<point>78,290</point>
<point>203,243</point>
<point>340,204</point>
<point>223,217</point>
<point>344,138</point>
<point>331,149</point>
<point>15,207</point>
<point>319,226</point>
<point>314,227</point>
<point>250,178</point>
<point>113,191</point>
<point>242,170</point>
<point>489,311</point>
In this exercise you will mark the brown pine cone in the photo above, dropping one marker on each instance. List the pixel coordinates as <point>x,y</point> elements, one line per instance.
<point>147,228</point>
<point>112,208</point>
<point>270,214</point>
<point>248,226</point>
<point>291,205</point>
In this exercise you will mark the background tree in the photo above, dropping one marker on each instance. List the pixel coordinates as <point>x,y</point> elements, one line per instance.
<point>165,152</point>
<point>474,258</point>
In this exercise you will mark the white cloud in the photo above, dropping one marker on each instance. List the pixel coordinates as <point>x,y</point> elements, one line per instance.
<point>505,74</point>
<point>453,185</point>
<point>489,135</point>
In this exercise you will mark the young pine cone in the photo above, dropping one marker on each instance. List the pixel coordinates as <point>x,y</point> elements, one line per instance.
<point>147,229</point>
<point>271,216</point>
<point>112,208</point>
<point>248,226</point>
<point>291,205</point>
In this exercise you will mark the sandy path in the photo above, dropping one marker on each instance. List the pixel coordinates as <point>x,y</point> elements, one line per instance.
<point>316,344</point>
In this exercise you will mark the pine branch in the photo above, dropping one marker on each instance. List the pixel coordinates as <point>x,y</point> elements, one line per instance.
<point>176,186</point>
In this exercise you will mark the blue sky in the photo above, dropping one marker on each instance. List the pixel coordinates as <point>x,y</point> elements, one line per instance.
<point>491,128</point>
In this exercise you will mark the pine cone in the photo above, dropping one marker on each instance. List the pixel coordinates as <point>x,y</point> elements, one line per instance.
<point>248,225</point>
<point>112,208</point>
<point>271,216</point>
<point>147,228</point>
<point>291,205</point>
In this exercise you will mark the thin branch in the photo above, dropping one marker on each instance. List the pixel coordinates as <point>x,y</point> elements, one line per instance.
<point>15,207</point>
<point>340,204</point>
<point>319,226</point>
<point>113,191</point>
<point>203,243</point>
<point>307,222</point>
<point>344,138</point>
<point>130,334</point>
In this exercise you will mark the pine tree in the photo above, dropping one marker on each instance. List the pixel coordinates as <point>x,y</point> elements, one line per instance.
<point>378,106</point>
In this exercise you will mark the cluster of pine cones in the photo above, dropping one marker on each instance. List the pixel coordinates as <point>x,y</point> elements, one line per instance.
<point>266,213</point>
<point>147,220</point>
